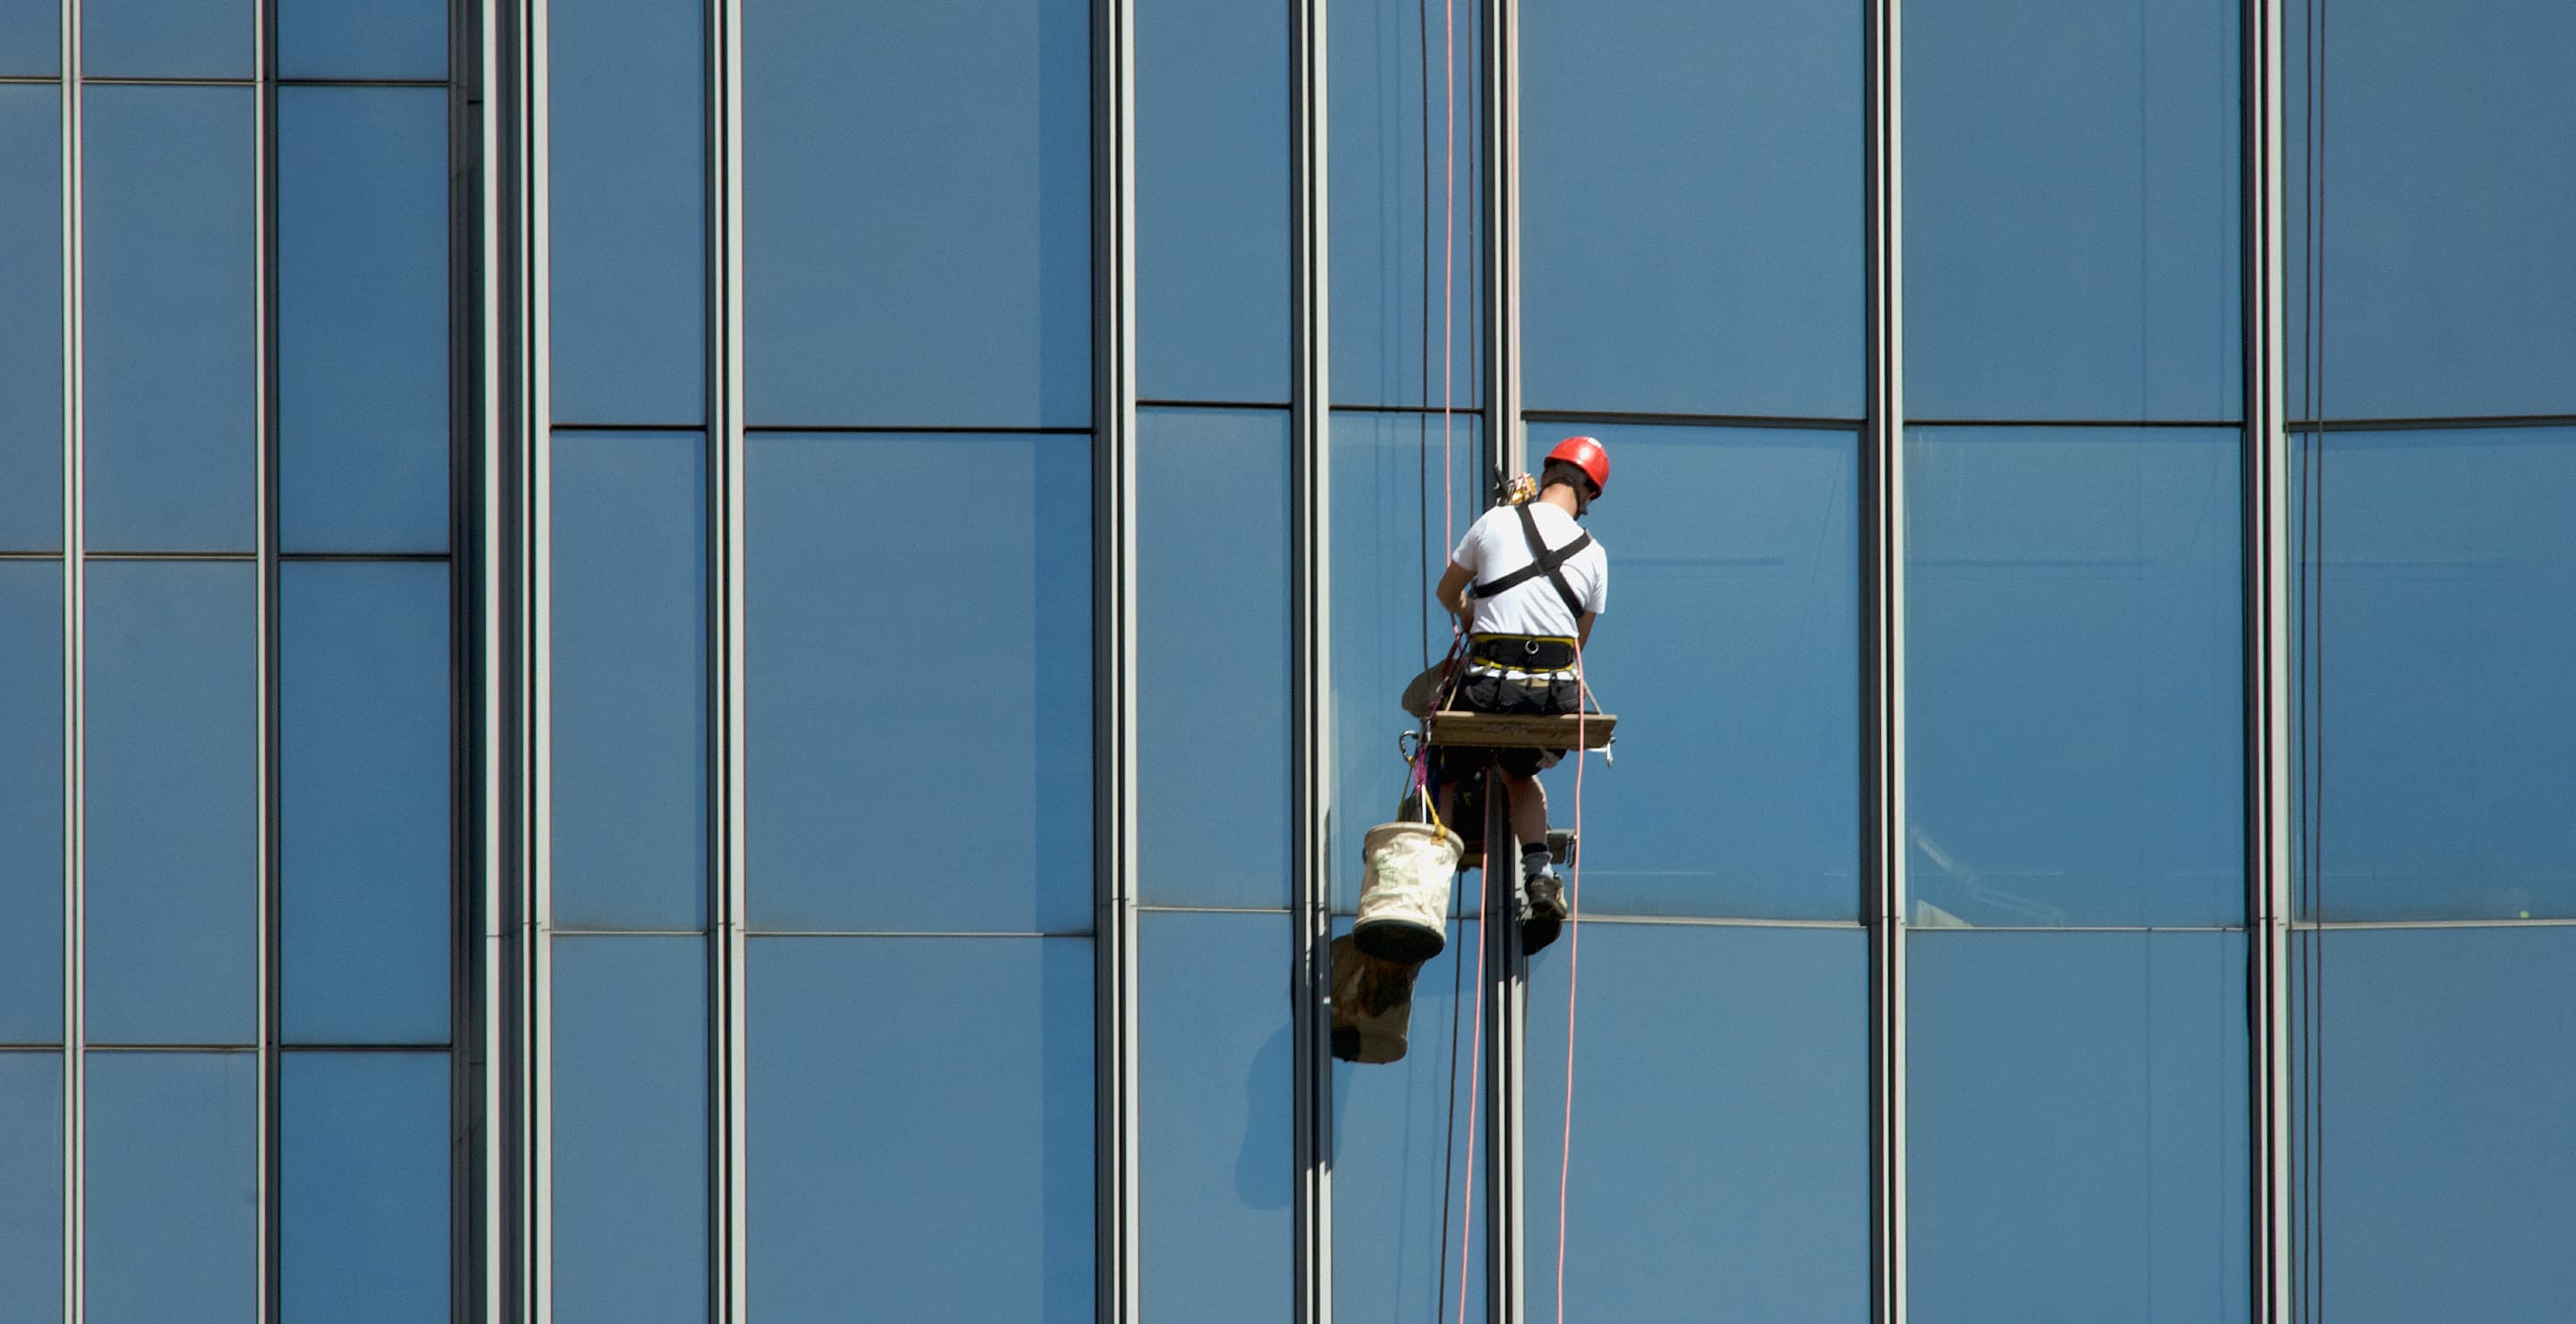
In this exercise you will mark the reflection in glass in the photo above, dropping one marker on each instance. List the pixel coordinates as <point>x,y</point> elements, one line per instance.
<point>170,367</point>
<point>1212,202</point>
<point>364,38</point>
<point>31,803</point>
<point>364,808</point>
<point>2074,676</point>
<point>920,682</point>
<point>889,284</point>
<point>363,1187</point>
<point>167,38</point>
<point>31,288</point>
<point>874,1064</point>
<point>630,1130</point>
<point>1405,187</point>
<point>1772,1201</point>
<point>1216,1080</point>
<point>1212,681</point>
<point>2077,1127</point>
<point>2434,715</point>
<point>630,680</point>
<point>1731,654</point>
<point>2071,210</point>
<point>627,127</point>
<point>1692,242</point>
<point>172,803</point>
<point>31,43</point>
<point>362,226</point>
<point>31,1187</point>
<point>171,1169</point>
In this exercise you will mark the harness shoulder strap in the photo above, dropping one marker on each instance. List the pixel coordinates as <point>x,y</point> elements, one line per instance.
<point>1542,562</point>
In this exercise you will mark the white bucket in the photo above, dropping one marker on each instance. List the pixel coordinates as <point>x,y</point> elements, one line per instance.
<point>1404,905</point>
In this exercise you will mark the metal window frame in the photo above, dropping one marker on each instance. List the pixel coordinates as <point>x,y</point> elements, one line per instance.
<point>1310,627</point>
<point>75,691</point>
<point>729,915</point>
<point>1883,654</point>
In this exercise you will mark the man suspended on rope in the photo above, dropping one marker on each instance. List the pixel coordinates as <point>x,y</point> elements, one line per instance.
<point>1527,583</point>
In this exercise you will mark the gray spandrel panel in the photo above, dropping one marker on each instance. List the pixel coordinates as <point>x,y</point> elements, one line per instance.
<point>362,38</point>
<point>31,802</point>
<point>31,1187</point>
<point>31,335</point>
<point>168,38</point>
<point>630,1129</point>
<point>31,37</point>
<point>363,1160</point>
<point>171,1172</point>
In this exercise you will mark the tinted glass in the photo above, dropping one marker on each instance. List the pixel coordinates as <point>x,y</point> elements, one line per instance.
<point>364,813</point>
<point>2077,1127</point>
<point>363,1165</point>
<point>363,38</point>
<point>1691,204</point>
<point>630,1130</point>
<point>1400,1131</point>
<point>2071,209</point>
<point>887,285</point>
<point>31,336</point>
<point>1212,682</point>
<point>921,682</point>
<point>172,805</point>
<point>30,37</point>
<point>168,38</point>
<point>1666,1212</point>
<point>627,117</point>
<point>971,1202</point>
<point>2434,717</point>
<point>31,1186</point>
<point>2449,157</point>
<point>630,680</point>
<point>1216,1076</point>
<point>362,319</point>
<point>1730,654</point>
<point>1405,146</point>
<point>2074,676</point>
<point>171,362</point>
<point>172,1177</point>
<point>1388,551</point>
<point>2445,1053</point>
<point>31,802</point>
<point>1212,215</point>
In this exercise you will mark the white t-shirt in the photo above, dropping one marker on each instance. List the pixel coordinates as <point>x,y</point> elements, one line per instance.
<point>1495,546</point>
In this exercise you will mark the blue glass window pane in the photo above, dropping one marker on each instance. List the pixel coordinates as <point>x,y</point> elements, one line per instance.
<point>2449,130</point>
<point>31,802</point>
<point>2435,706</point>
<point>2447,1072</point>
<point>31,1187</point>
<point>362,319</point>
<point>1772,1204</point>
<point>1388,524</point>
<point>1218,1173</point>
<point>1691,207</point>
<point>918,198</point>
<point>627,114</point>
<point>1405,186</point>
<point>172,812</point>
<point>172,1168</point>
<point>1731,655</point>
<point>921,683</point>
<point>1389,1125</point>
<point>1212,682</point>
<point>630,680</point>
<point>31,41</point>
<point>630,1130</point>
<point>168,38</point>
<point>2071,210</point>
<point>2074,676</point>
<point>364,1140</point>
<point>365,815</point>
<point>1212,202</point>
<point>362,38</point>
<point>931,1151</point>
<point>171,365</point>
<point>31,336</point>
<point>2077,1127</point>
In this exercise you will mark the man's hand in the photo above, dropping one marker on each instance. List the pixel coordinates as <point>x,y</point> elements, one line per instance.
<point>1453,593</point>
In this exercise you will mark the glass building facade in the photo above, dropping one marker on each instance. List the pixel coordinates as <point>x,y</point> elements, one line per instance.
<point>722,660</point>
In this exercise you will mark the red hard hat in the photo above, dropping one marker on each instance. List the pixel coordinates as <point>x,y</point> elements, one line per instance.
<point>1586,454</point>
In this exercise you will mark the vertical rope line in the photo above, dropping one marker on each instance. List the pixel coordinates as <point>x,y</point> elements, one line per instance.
<point>1573,959</point>
<point>1448,257</point>
<point>1422,306</point>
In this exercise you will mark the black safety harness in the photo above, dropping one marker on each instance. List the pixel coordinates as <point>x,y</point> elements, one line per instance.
<point>1542,562</point>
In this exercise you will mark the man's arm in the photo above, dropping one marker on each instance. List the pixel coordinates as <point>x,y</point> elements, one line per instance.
<point>1453,593</point>
<point>1583,629</point>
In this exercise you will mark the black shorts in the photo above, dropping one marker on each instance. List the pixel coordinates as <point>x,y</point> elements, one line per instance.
<point>1487,691</point>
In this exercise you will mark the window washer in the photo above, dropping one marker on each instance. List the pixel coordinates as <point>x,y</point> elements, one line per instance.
<point>1527,582</point>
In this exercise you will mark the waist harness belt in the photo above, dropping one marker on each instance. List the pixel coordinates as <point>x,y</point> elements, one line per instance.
<point>1542,562</point>
<point>1535,653</point>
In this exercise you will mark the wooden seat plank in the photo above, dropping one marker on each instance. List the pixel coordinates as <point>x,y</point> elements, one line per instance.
<point>1457,729</point>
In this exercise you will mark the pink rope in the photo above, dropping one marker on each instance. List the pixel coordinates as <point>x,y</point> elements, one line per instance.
<point>1475,1085</point>
<point>1573,966</point>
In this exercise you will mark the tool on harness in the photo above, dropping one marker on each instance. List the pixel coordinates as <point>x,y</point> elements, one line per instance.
<point>1543,561</point>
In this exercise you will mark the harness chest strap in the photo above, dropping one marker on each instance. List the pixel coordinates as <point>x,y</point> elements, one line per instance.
<point>1542,562</point>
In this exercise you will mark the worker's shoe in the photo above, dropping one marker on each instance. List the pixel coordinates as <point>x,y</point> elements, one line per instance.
<point>1543,910</point>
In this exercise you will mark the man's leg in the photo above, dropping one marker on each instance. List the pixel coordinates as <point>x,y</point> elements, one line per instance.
<point>1546,897</point>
